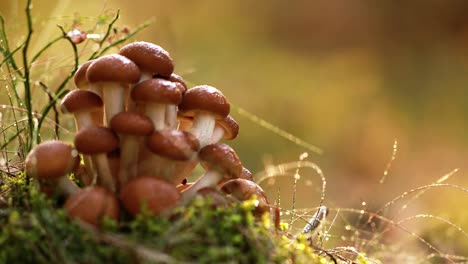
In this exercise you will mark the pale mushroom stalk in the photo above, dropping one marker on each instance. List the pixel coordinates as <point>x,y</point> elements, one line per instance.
<point>171,116</point>
<point>129,157</point>
<point>67,186</point>
<point>157,114</point>
<point>114,99</point>
<point>202,128</point>
<point>209,179</point>
<point>103,170</point>
<point>217,135</point>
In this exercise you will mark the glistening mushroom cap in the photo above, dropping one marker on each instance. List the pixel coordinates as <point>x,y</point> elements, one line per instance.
<point>130,123</point>
<point>222,158</point>
<point>149,57</point>
<point>113,68</point>
<point>230,127</point>
<point>158,91</point>
<point>81,100</point>
<point>92,204</point>
<point>157,195</point>
<point>243,189</point>
<point>173,144</point>
<point>93,140</point>
<point>51,160</point>
<point>205,98</point>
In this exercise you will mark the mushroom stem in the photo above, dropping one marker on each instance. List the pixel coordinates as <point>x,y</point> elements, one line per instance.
<point>209,179</point>
<point>129,158</point>
<point>67,186</point>
<point>217,135</point>
<point>202,128</point>
<point>114,99</point>
<point>145,75</point>
<point>157,114</point>
<point>171,116</point>
<point>104,173</point>
<point>83,119</point>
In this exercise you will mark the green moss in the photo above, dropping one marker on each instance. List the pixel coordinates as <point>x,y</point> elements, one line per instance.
<point>36,230</point>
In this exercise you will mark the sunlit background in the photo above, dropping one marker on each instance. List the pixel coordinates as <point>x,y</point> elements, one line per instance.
<point>367,82</point>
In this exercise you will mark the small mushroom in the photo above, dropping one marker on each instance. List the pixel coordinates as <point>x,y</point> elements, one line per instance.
<point>132,127</point>
<point>171,110</point>
<point>206,104</point>
<point>92,204</point>
<point>220,162</point>
<point>226,128</point>
<point>153,95</point>
<point>174,155</point>
<point>97,142</point>
<point>81,104</point>
<point>243,189</point>
<point>113,73</point>
<point>52,161</point>
<point>157,195</point>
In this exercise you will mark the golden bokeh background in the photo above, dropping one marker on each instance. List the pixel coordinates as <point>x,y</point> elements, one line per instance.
<point>351,77</point>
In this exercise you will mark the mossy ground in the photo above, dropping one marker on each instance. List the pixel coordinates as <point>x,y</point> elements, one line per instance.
<point>36,230</point>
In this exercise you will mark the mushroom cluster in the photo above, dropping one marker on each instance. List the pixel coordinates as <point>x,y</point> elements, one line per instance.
<point>140,133</point>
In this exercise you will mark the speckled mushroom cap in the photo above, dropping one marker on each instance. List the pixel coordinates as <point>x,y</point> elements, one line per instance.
<point>81,100</point>
<point>92,204</point>
<point>130,123</point>
<point>158,91</point>
<point>222,158</point>
<point>230,127</point>
<point>51,160</point>
<point>156,194</point>
<point>94,140</point>
<point>246,174</point>
<point>113,68</point>
<point>205,98</point>
<point>173,144</point>
<point>149,57</point>
<point>80,75</point>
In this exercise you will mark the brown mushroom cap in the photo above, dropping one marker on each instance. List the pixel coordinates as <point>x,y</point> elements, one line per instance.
<point>92,204</point>
<point>158,91</point>
<point>230,127</point>
<point>51,160</point>
<point>222,158</point>
<point>176,79</point>
<point>94,140</point>
<point>173,144</point>
<point>81,100</point>
<point>156,194</point>
<point>80,75</point>
<point>205,98</point>
<point>243,189</point>
<point>130,123</point>
<point>113,68</point>
<point>149,57</point>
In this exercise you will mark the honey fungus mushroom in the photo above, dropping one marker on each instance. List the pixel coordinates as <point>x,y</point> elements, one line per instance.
<point>150,58</point>
<point>113,74</point>
<point>132,127</point>
<point>52,161</point>
<point>174,155</point>
<point>220,162</point>
<point>205,104</point>
<point>97,142</point>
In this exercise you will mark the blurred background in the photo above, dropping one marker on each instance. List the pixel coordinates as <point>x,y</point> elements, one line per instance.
<point>350,77</point>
